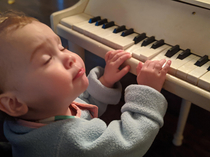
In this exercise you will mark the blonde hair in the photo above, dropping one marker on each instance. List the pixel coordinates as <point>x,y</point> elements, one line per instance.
<point>9,21</point>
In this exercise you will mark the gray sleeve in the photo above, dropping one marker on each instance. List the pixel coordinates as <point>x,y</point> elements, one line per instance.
<point>141,119</point>
<point>99,95</point>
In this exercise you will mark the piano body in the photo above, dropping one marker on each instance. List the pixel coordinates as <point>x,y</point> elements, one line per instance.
<point>153,29</point>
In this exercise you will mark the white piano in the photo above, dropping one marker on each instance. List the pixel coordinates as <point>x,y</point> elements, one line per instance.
<point>148,29</point>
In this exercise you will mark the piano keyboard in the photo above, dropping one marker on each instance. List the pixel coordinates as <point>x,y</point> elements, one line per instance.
<point>185,65</point>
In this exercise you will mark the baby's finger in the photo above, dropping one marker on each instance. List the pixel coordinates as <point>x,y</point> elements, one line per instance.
<point>123,72</point>
<point>121,56</point>
<point>151,64</point>
<point>159,64</point>
<point>139,67</point>
<point>166,67</point>
<point>107,55</point>
<point>120,60</point>
<point>111,54</point>
<point>147,64</point>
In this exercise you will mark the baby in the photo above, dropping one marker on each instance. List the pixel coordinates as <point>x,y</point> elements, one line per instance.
<point>53,106</point>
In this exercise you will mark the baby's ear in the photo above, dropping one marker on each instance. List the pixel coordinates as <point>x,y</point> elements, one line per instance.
<point>10,105</point>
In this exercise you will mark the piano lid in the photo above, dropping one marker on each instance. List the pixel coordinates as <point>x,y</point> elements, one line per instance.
<point>176,23</point>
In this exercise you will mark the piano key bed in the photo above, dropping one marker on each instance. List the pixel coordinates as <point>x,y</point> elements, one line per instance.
<point>189,75</point>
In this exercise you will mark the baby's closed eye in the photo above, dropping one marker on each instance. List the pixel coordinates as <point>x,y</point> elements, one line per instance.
<point>46,58</point>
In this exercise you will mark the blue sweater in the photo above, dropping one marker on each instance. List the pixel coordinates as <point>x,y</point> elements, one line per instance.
<point>141,119</point>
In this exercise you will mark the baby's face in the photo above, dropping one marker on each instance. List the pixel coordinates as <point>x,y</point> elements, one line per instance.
<point>47,77</point>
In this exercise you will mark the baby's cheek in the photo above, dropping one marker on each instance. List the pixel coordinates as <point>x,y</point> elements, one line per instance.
<point>58,81</point>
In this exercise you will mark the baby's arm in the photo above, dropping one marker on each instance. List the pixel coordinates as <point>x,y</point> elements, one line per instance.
<point>98,94</point>
<point>153,73</point>
<point>101,81</point>
<point>132,135</point>
<point>114,60</point>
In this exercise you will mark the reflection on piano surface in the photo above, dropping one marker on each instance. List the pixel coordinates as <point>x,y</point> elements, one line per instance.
<point>96,25</point>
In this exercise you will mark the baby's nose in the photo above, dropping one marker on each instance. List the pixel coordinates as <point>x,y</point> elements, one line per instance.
<point>69,60</point>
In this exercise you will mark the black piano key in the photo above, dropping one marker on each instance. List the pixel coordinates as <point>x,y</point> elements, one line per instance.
<point>101,22</point>
<point>208,68</point>
<point>107,25</point>
<point>148,41</point>
<point>184,54</point>
<point>158,43</point>
<point>202,61</point>
<point>119,29</point>
<point>172,51</point>
<point>94,19</point>
<point>139,38</point>
<point>127,32</point>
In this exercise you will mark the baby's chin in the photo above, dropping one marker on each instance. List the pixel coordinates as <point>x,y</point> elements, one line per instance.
<point>86,81</point>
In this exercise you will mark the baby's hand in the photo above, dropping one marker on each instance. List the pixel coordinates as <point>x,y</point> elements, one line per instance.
<point>152,73</point>
<point>112,73</point>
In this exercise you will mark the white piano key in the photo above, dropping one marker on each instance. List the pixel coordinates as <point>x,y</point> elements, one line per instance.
<point>161,55</point>
<point>144,53</point>
<point>150,53</point>
<point>71,20</point>
<point>140,50</point>
<point>116,41</point>
<point>194,75</point>
<point>99,33</point>
<point>83,26</point>
<point>110,40</point>
<point>132,48</point>
<point>92,29</point>
<point>106,36</point>
<point>186,68</point>
<point>204,81</point>
<point>177,63</point>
